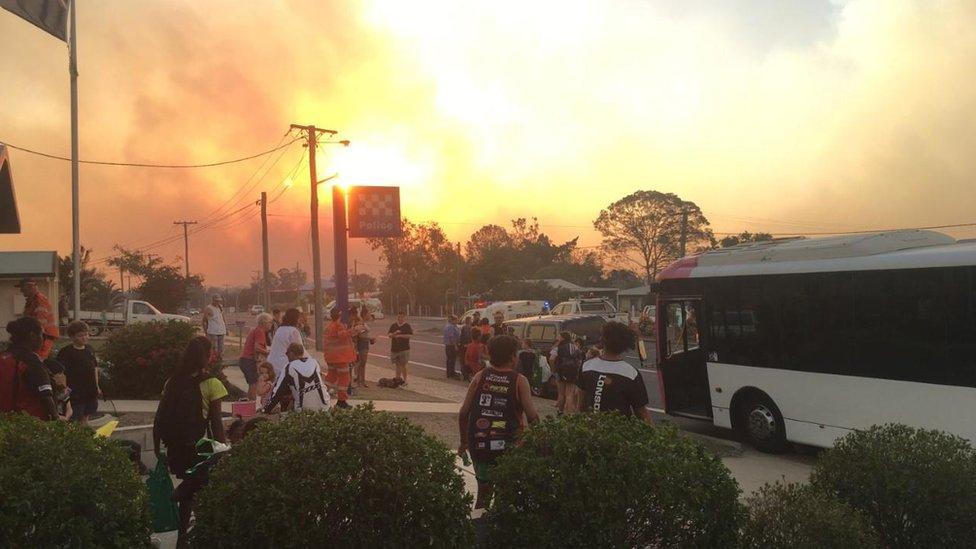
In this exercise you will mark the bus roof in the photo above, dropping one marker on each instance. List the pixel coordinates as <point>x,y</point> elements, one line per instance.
<point>907,249</point>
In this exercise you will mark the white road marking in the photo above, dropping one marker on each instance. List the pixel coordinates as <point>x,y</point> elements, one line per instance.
<point>415,340</point>
<point>424,364</point>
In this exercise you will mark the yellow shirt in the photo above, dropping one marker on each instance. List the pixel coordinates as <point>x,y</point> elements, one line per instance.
<point>212,390</point>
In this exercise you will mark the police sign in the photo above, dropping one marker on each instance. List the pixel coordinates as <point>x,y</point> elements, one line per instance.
<point>374,212</point>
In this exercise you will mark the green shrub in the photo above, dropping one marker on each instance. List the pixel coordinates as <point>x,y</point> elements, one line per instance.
<point>800,517</point>
<point>603,480</point>
<point>142,356</point>
<point>354,478</point>
<point>917,487</point>
<point>61,487</point>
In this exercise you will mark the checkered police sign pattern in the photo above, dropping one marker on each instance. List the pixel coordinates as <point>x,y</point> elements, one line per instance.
<point>374,212</point>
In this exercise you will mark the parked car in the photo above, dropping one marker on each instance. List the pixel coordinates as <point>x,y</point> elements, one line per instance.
<point>511,309</point>
<point>374,305</point>
<point>591,306</point>
<point>543,331</point>
<point>257,309</point>
<point>130,311</point>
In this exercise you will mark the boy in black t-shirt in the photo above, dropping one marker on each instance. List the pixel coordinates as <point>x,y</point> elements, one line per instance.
<point>608,382</point>
<point>81,367</point>
<point>400,333</point>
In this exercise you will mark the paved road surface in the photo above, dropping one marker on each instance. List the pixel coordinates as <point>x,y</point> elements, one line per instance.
<point>427,357</point>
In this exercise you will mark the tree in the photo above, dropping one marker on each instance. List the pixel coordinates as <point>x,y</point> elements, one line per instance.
<point>290,279</point>
<point>420,264</point>
<point>744,237</point>
<point>162,284</point>
<point>623,279</point>
<point>644,229</point>
<point>97,292</point>
<point>497,256</point>
<point>363,283</point>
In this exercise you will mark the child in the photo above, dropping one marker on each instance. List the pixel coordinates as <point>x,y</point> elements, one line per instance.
<point>473,352</point>
<point>81,367</point>
<point>266,382</point>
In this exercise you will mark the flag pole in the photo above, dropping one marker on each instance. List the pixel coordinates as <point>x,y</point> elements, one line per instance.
<point>75,231</point>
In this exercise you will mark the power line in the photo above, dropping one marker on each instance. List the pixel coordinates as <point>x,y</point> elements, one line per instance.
<point>143,165</point>
<point>254,173</point>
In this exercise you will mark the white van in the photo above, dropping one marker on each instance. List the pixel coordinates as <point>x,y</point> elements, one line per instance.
<point>511,309</point>
<point>374,305</point>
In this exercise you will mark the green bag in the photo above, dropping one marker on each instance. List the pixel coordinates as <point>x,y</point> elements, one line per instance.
<point>165,515</point>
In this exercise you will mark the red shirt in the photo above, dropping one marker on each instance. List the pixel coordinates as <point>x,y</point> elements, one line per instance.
<point>257,336</point>
<point>472,356</point>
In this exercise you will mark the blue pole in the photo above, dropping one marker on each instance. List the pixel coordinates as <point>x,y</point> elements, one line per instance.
<point>341,259</point>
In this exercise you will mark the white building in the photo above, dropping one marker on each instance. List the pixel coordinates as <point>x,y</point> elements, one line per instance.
<point>41,266</point>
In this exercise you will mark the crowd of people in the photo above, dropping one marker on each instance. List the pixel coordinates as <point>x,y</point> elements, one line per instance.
<point>62,387</point>
<point>498,403</point>
<point>281,375</point>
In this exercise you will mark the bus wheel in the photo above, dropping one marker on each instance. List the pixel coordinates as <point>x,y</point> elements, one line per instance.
<point>96,329</point>
<point>762,423</point>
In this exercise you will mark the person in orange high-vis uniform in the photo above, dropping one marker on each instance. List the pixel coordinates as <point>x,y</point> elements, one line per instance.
<point>340,354</point>
<point>38,306</point>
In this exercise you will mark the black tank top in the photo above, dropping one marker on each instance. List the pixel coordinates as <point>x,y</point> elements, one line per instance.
<point>494,419</point>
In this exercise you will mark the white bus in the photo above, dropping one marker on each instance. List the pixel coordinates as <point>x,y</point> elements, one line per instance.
<point>805,340</point>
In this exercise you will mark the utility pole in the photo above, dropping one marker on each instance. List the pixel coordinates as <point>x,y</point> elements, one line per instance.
<point>186,258</point>
<point>684,231</point>
<point>457,281</point>
<point>341,257</point>
<point>311,135</point>
<point>266,277</point>
<point>186,244</point>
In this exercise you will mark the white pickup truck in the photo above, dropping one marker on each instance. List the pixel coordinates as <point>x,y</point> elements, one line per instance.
<point>129,312</point>
<point>590,306</point>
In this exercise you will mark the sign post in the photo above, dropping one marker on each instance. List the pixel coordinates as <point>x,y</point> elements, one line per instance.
<point>374,212</point>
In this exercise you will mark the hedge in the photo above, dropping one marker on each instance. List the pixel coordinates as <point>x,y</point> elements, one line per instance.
<point>61,487</point>
<point>604,480</point>
<point>916,486</point>
<point>141,357</point>
<point>800,517</point>
<point>356,478</point>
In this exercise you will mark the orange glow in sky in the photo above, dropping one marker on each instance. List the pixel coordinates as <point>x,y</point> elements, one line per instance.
<point>805,116</point>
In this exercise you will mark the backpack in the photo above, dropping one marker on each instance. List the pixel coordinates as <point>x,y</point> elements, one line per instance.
<point>14,396</point>
<point>180,423</point>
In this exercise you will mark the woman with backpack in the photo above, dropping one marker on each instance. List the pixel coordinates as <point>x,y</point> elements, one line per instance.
<point>565,359</point>
<point>190,405</point>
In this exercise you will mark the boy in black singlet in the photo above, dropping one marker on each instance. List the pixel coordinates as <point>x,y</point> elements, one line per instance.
<point>491,415</point>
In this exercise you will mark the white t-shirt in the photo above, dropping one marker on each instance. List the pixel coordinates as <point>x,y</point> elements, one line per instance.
<point>283,337</point>
<point>215,321</point>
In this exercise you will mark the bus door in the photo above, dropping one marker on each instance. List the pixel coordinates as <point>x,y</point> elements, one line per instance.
<point>682,359</point>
